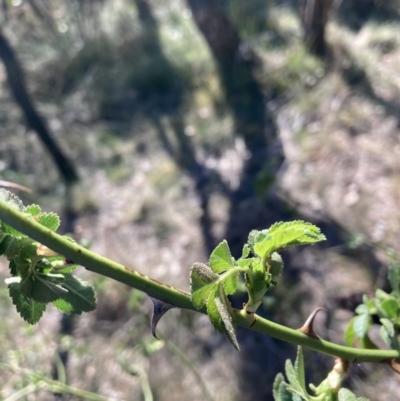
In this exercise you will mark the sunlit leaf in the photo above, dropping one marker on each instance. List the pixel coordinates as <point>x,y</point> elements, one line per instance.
<point>11,199</point>
<point>246,251</point>
<point>346,395</point>
<point>49,220</point>
<point>33,210</point>
<point>202,281</point>
<point>231,283</point>
<point>349,333</point>
<point>284,234</point>
<point>390,307</point>
<point>361,325</point>
<point>221,258</point>
<point>299,368</point>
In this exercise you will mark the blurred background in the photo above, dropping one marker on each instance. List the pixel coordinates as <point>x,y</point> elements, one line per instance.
<point>158,128</point>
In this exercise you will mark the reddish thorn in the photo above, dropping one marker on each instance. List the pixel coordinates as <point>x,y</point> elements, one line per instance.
<point>393,363</point>
<point>307,327</point>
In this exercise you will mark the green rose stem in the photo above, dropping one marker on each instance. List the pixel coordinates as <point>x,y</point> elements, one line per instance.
<point>165,292</point>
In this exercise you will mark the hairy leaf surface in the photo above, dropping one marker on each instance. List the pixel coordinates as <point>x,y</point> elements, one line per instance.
<point>284,234</point>
<point>221,314</point>
<point>30,310</point>
<point>221,258</point>
<point>202,281</point>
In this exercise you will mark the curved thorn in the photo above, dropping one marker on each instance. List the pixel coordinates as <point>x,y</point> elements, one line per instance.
<point>159,310</point>
<point>307,327</point>
<point>393,363</point>
<point>8,184</point>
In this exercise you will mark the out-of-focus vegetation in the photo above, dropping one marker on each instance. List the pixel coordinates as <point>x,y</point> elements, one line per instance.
<point>140,103</point>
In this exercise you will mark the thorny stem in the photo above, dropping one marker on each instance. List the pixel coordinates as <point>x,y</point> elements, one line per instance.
<point>165,292</point>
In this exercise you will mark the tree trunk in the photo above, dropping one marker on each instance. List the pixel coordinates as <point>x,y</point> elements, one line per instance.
<point>236,63</point>
<point>16,81</point>
<point>314,18</point>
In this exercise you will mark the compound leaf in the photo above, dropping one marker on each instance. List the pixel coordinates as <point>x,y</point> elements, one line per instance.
<point>221,258</point>
<point>221,314</point>
<point>31,311</point>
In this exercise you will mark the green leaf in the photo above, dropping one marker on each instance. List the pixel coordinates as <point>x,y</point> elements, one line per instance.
<point>291,375</point>
<point>245,263</point>
<point>390,307</point>
<point>45,288</point>
<point>367,343</point>
<point>13,268</point>
<point>279,378</point>
<point>221,314</point>
<point>299,368</point>
<point>362,309</point>
<point>361,325</point>
<point>14,202</point>
<point>349,333</point>
<point>388,333</point>
<point>30,311</point>
<point>246,251</point>
<point>279,389</point>
<point>346,395</point>
<point>230,284</point>
<point>388,325</point>
<point>202,281</point>
<point>33,210</point>
<point>284,234</point>
<point>63,268</point>
<point>49,220</point>
<point>27,250</point>
<point>9,247</point>
<point>80,297</point>
<point>221,258</point>
<point>276,265</point>
<point>11,199</point>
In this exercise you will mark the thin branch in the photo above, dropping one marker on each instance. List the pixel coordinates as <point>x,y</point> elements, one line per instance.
<point>165,292</point>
